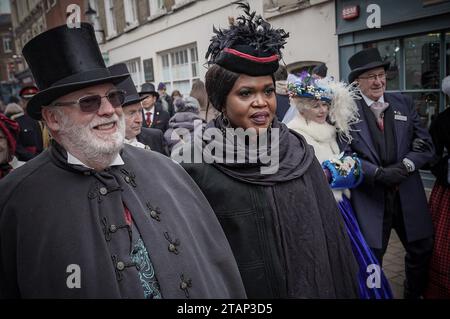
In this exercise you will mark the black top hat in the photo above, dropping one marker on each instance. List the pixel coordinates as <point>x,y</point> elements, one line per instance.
<point>64,60</point>
<point>148,89</point>
<point>127,85</point>
<point>251,46</point>
<point>321,70</point>
<point>365,60</point>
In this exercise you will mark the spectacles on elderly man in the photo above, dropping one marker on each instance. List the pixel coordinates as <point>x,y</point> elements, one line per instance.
<point>92,103</point>
<point>373,77</point>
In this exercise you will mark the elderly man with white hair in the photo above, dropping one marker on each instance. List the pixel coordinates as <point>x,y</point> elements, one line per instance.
<point>91,217</point>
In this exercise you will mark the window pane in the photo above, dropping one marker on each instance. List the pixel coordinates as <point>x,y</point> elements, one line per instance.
<point>427,105</point>
<point>422,62</point>
<point>148,70</point>
<point>389,50</point>
<point>183,86</point>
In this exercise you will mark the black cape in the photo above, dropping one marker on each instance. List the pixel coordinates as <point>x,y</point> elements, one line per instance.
<point>285,229</point>
<point>53,215</point>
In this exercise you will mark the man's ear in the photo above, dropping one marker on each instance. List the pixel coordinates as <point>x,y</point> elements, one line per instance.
<point>52,120</point>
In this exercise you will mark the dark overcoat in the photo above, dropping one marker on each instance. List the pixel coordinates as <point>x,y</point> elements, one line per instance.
<point>368,198</point>
<point>154,139</point>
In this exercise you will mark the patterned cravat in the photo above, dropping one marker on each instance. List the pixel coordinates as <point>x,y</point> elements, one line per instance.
<point>148,119</point>
<point>378,109</point>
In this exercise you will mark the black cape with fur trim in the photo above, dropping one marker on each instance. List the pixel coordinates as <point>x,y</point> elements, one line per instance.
<point>285,231</point>
<point>53,215</point>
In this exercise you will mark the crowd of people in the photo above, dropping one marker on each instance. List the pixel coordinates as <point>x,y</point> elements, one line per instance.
<point>116,201</point>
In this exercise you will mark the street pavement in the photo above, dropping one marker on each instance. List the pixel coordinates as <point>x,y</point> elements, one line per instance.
<point>394,259</point>
<point>394,265</point>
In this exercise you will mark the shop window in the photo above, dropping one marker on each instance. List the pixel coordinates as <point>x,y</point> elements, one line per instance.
<point>422,60</point>
<point>389,51</point>
<point>421,76</point>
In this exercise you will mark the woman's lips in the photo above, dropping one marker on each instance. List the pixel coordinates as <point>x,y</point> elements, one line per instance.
<point>260,118</point>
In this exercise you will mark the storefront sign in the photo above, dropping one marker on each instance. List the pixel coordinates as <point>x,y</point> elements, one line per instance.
<point>350,12</point>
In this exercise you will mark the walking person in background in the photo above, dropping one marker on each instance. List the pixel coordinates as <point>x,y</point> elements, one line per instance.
<point>439,276</point>
<point>30,140</point>
<point>186,113</point>
<point>165,99</point>
<point>198,91</point>
<point>176,95</point>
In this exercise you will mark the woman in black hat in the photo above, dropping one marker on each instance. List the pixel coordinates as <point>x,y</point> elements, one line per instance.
<point>283,224</point>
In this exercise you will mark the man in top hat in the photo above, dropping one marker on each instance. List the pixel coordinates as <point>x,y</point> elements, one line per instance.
<point>135,134</point>
<point>102,219</point>
<point>393,146</point>
<point>165,99</point>
<point>29,141</point>
<point>153,114</point>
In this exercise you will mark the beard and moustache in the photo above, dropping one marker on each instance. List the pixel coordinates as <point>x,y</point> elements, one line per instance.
<point>78,139</point>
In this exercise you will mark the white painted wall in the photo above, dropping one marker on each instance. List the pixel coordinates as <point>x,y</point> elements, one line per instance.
<point>312,33</point>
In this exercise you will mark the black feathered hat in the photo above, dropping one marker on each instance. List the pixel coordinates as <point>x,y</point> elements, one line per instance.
<point>127,85</point>
<point>250,46</point>
<point>63,60</point>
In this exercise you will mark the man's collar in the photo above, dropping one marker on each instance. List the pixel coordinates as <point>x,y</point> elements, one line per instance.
<point>370,101</point>
<point>134,142</point>
<point>149,110</point>
<point>75,161</point>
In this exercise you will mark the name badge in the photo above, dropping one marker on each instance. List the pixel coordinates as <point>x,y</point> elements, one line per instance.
<point>399,117</point>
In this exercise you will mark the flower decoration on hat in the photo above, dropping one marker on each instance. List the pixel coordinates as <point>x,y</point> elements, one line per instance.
<point>249,46</point>
<point>304,85</point>
<point>343,111</point>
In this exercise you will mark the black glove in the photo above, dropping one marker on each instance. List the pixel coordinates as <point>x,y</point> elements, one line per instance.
<point>392,175</point>
<point>419,145</point>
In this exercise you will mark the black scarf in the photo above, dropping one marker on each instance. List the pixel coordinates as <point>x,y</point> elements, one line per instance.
<point>316,250</point>
<point>295,156</point>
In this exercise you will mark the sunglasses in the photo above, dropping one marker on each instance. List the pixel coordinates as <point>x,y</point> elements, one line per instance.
<point>92,103</point>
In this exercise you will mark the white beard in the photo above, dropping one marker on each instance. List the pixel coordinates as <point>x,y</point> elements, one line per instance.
<point>80,140</point>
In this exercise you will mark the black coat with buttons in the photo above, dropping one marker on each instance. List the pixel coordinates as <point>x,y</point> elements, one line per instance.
<point>57,219</point>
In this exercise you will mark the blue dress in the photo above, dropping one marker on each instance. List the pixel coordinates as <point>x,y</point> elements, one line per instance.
<point>346,173</point>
